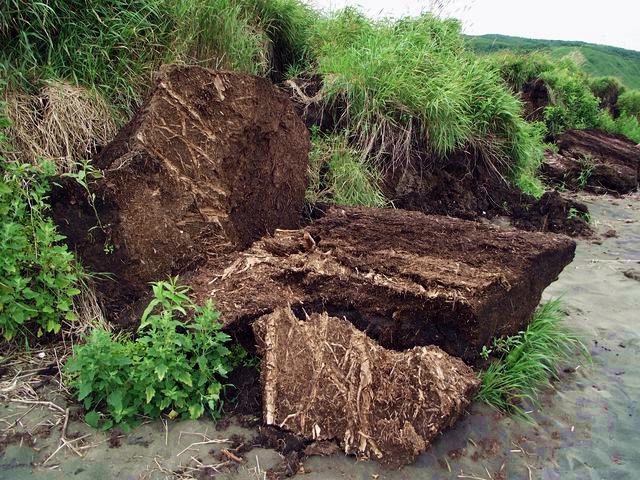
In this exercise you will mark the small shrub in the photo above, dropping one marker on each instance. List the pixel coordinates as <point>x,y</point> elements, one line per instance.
<point>176,365</point>
<point>526,362</point>
<point>38,274</point>
<point>629,103</point>
<point>625,124</point>
<point>573,103</point>
<point>607,90</point>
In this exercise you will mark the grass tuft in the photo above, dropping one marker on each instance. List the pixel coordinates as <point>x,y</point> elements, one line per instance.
<point>338,174</point>
<point>410,89</point>
<point>63,124</point>
<point>527,362</point>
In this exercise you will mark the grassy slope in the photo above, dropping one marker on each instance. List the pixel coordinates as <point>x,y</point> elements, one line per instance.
<point>600,60</point>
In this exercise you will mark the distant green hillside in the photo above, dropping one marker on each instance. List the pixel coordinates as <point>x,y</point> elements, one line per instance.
<point>599,60</point>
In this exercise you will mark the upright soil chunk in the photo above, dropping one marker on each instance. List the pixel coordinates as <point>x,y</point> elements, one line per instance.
<point>594,160</point>
<point>405,278</point>
<point>323,379</point>
<point>212,161</point>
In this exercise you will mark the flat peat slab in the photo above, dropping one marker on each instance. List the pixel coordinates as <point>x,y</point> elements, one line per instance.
<point>405,278</point>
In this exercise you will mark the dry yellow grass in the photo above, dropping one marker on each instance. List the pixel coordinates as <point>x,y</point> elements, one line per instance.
<point>62,123</point>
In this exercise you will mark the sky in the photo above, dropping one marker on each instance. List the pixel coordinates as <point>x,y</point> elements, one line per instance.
<point>610,22</point>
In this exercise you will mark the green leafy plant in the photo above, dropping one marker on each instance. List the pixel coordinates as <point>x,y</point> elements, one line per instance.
<point>524,363</point>
<point>175,366</point>
<point>572,102</point>
<point>38,275</point>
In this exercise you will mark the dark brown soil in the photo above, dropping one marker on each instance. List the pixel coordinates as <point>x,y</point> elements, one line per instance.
<point>290,446</point>
<point>323,380</point>
<point>463,187</point>
<point>406,278</point>
<point>632,274</point>
<point>243,395</point>
<point>115,438</point>
<point>307,98</point>
<point>608,163</point>
<point>212,161</point>
<point>535,96</point>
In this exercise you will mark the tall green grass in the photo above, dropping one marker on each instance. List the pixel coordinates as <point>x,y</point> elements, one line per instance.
<point>337,174</point>
<point>113,46</point>
<point>528,361</point>
<point>108,44</point>
<point>629,103</point>
<point>409,86</point>
<point>573,104</point>
<point>253,36</point>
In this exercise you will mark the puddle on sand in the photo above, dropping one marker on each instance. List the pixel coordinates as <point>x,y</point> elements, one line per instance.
<point>587,427</point>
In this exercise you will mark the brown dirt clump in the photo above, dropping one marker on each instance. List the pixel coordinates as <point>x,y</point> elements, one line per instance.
<point>212,161</point>
<point>463,186</point>
<point>406,278</point>
<point>323,379</point>
<point>594,160</point>
<point>535,97</point>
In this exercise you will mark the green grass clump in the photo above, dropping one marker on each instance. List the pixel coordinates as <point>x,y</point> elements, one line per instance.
<point>528,361</point>
<point>254,36</point>
<point>572,102</point>
<point>518,69</point>
<point>113,46</point>
<point>176,365</point>
<point>629,103</point>
<point>410,86</point>
<point>338,174</point>
<point>607,90</point>
<point>625,124</point>
<point>106,44</point>
<point>38,273</point>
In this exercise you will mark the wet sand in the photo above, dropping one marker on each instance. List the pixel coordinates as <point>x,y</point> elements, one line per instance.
<point>587,426</point>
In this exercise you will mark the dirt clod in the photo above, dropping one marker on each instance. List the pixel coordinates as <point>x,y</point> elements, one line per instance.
<point>323,379</point>
<point>632,274</point>
<point>594,160</point>
<point>212,161</point>
<point>464,187</point>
